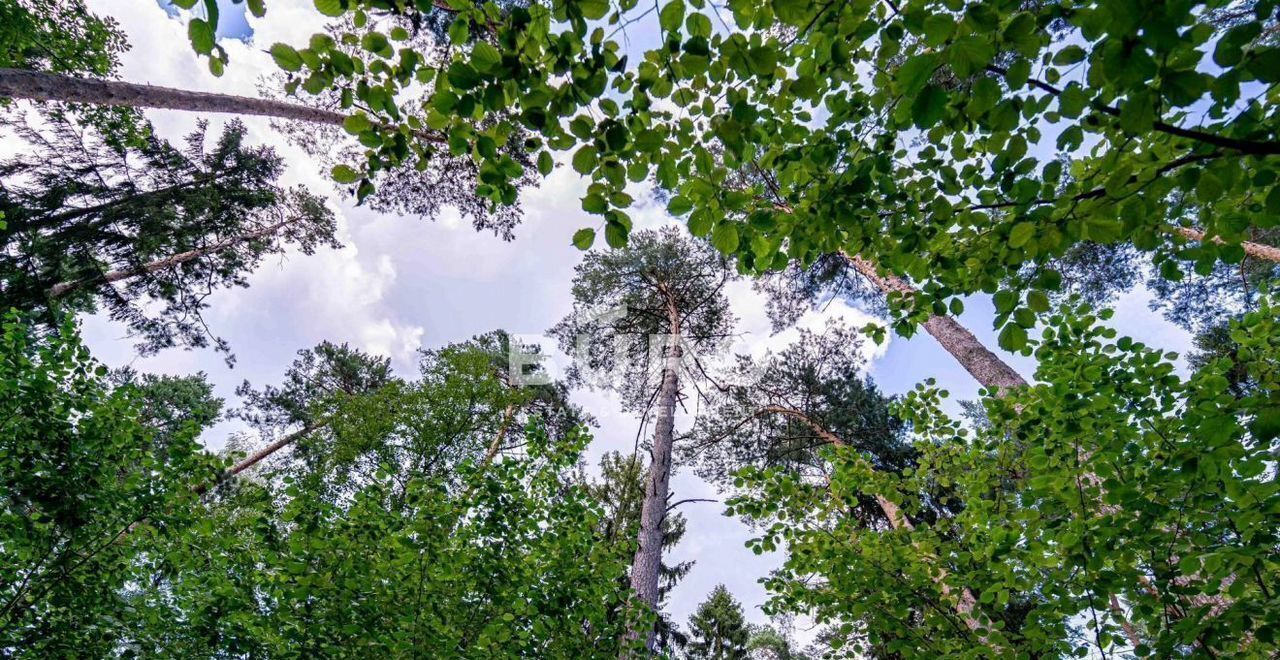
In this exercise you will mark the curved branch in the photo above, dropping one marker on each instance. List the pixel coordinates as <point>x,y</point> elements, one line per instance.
<point>1247,147</point>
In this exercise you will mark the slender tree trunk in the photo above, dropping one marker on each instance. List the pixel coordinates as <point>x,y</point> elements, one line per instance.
<point>63,288</point>
<point>40,86</point>
<point>986,367</point>
<point>647,564</point>
<point>1255,250</point>
<point>260,455</point>
<point>501,435</point>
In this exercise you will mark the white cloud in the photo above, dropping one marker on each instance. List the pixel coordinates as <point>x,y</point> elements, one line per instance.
<point>337,294</point>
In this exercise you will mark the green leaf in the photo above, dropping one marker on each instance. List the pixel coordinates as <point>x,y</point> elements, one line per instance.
<point>1264,64</point>
<point>1005,301</point>
<point>763,59</point>
<point>345,174</point>
<point>462,75</point>
<point>1013,337</point>
<point>1102,230</point>
<point>938,28</point>
<point>1069,55</point>
<point>357,123</point>
<point>202,36</point>
<point>485,57</point>
<point>615,235</point>
<point>286,57</point>
<point>584,160</point>
<point>725,237</point>
<point>459,32</point>
<point>594,204</point>
<point>545,163</point>
<point>930,106</point>
<point>679,205</point>
<point>1021,234</point>
<point>970,55</point>
<point>593,10</point>
<point>915,72</point>
<point>331,8</point>
<point>672,16</point>
<point>375,42</point>
<point>1038,301</point>
<point>700,224</point>
<point>583,239</point>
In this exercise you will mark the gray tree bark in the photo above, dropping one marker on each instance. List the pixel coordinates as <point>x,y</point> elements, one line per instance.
<point>1255,250</point>
<point>986,367</point>
<point>646,566</point>
<point>40,86</point>
<point>63,288</point>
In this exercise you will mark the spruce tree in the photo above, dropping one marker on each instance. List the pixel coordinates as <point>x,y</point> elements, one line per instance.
<point>717,630</point>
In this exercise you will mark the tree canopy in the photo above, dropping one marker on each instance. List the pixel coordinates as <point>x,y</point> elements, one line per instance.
<point>913,157</point>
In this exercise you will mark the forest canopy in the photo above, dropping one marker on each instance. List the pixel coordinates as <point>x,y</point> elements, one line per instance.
<point>918,165</point>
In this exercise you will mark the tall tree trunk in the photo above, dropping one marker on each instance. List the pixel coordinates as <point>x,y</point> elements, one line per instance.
<point>647,564</point>
<point>986,367</point>
<point>40,86</point>
<point>1255,250</point>
<point>63,288</point>
<point>260,455</point>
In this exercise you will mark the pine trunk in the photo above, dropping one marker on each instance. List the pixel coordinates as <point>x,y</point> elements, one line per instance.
<point>966,602</point>
<point>40,86</point>
<point>986,367</point>
<point>260,455</point>
<point>63,288</point>
<point>647,564</point>
<point>1255,250</point>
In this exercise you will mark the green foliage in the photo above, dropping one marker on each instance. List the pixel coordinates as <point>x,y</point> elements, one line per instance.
<point>1113,478</point>
<point>817,380</point>
<point>92,225</point>
<point>60,36</point>
<point>717,629</point>
<point>394,533</point>
<point>625,298</point>
<point>504,564</point>
<point>956,145</point>
<point>90,489</point>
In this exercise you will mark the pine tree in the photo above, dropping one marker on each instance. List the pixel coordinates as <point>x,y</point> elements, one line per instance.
<point>636,311</point>
<point>415,174</point>
<point>717,630</point>
<point>89,226</point>
<point>620,491</point>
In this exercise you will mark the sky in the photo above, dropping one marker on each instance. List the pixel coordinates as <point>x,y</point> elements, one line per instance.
<point>401,284</point>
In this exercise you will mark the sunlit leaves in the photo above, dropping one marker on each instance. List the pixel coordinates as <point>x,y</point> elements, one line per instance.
<point>286,57</point>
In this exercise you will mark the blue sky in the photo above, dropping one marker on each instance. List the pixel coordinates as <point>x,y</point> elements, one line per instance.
<point>403,283</point>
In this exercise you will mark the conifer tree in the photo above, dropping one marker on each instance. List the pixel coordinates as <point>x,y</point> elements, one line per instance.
<point>90,225</point>
<point>641,316</point>
<point>717,630</point>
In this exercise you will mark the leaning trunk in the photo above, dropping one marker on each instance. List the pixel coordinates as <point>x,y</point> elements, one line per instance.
<point>40,86</point>
<point>986,367</point>
<point>965,602</point>
<point>1255,250</point>
<point>63,288</point>
<point>647,564</point>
